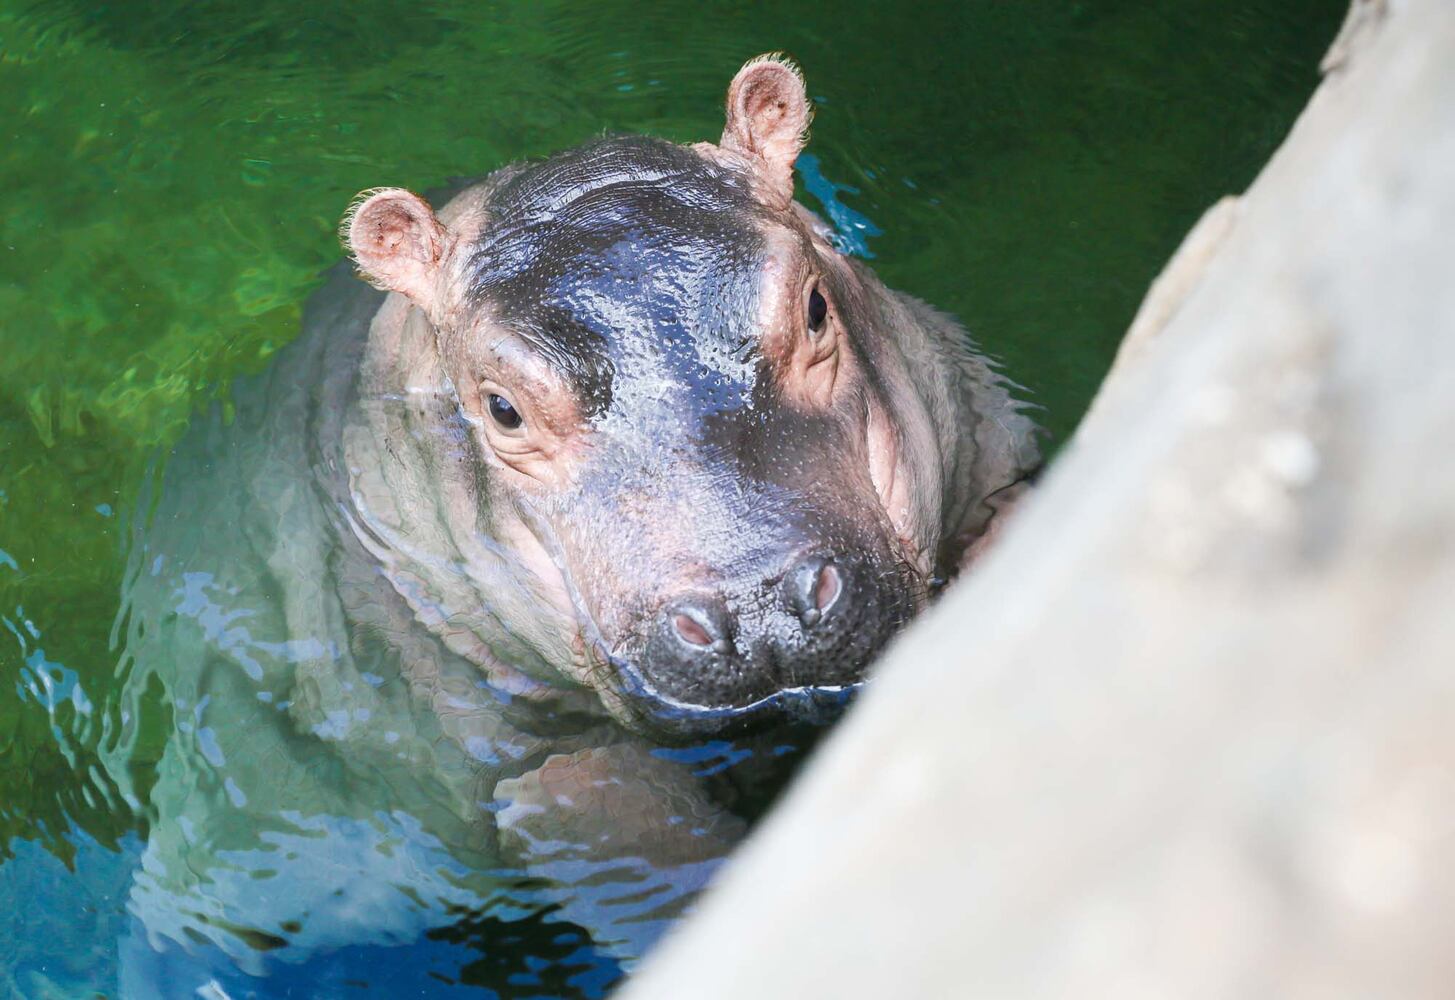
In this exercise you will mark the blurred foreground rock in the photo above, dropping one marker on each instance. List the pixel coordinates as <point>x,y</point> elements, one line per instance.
<point>1190,730</point>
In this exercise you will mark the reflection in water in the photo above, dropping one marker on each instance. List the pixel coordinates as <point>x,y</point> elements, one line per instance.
<point>852,228</point>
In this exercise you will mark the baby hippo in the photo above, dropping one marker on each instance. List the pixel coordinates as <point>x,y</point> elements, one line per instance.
<point>471,603</point>
<point>714,463</point>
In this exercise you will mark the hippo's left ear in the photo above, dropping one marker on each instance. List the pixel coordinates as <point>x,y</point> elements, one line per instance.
<point>397,242</point>
<point>767,119</point>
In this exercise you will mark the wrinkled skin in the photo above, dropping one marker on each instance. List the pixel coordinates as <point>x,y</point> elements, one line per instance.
<point>630,457</point>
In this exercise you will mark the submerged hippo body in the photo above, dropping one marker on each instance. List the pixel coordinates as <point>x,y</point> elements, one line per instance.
<point>628,458</point>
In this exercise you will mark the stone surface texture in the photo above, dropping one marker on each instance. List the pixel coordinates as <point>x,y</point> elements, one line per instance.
<point>1189,731</point>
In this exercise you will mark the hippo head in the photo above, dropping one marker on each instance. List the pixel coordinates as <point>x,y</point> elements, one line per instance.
<point>693,423</point>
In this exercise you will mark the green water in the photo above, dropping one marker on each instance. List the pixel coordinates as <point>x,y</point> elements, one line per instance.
<point>171,176</point>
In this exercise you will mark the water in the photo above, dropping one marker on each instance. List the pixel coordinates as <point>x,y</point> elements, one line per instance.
<point>172,176</point>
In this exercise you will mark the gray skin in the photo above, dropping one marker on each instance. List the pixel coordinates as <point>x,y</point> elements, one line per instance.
<point>383,610</point>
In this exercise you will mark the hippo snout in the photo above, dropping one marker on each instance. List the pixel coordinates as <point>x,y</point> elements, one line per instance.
<point>792,645</point>
<point>700,627</point>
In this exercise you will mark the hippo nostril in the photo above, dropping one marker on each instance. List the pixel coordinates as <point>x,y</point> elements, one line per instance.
<point>701,624</point>
<point>691,630</point>
<point>827,589</point>
<point>814,587</point>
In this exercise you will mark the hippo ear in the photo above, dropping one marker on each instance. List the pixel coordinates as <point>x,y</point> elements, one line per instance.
<point>767,119</point>
<point>397,242</point>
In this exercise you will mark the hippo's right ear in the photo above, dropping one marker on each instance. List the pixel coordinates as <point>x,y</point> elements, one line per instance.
<point>767,119</point>
<point>397,243</point>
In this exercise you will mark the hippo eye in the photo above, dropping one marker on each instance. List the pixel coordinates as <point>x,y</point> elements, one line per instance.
<point>818,310</point>
<point>503,413</point>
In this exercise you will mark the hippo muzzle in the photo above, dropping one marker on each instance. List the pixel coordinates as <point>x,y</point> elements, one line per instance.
<point>705,610</point>
<point>793,645</point>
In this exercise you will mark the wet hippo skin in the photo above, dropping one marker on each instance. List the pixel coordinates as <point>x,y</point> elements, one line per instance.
<point>486,591</point>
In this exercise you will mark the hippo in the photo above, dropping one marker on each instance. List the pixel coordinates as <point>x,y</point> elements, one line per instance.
<point>497,592</point>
